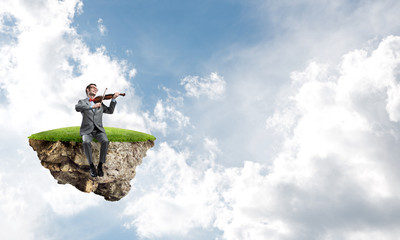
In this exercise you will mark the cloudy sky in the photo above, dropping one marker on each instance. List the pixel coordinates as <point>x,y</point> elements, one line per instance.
<point>274,119</point>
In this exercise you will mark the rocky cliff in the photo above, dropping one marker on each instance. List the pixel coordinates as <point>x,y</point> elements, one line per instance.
<point>67,163</point>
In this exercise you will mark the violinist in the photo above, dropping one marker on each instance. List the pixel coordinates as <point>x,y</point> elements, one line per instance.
<point>92,126</point>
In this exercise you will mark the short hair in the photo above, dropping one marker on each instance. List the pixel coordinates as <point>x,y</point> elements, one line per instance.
<point>88,86</point>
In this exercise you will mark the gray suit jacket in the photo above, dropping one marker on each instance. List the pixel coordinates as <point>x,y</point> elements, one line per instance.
<point>92,118</point>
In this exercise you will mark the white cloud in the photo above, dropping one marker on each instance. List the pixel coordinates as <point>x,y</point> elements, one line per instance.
<point>132,73</point>
<point>65,200</point>
<point>179,199</point>
<point>44,70</point>
<point>212,86</point>
<point>101,27</point>
<point>50,66</point>
<point>335,177</point>
<point>167,116</point>
<point>22,182</point>
<point>343,139</point>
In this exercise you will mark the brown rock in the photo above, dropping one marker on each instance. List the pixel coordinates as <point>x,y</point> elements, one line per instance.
<point>67,163</point>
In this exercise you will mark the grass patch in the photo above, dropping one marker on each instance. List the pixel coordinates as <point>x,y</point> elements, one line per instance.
<point>71,134</point>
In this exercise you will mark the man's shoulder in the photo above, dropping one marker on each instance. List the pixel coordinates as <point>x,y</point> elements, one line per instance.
<point>83,100</point>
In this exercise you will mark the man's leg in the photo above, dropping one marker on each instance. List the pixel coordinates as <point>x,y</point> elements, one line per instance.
<point>87,149</point>
<point>102,138</point>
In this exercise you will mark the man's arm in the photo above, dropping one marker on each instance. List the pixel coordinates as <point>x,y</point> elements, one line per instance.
<point>109,109</point>
<point>81,106</point>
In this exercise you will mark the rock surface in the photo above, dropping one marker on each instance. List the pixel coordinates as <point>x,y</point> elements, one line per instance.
<point>67,163</point>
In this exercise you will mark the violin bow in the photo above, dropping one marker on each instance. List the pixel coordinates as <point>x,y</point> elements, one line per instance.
<point>103,95</point>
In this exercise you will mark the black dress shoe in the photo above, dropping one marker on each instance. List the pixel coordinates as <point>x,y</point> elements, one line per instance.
<point>93,172</point>
<point>100,169</point>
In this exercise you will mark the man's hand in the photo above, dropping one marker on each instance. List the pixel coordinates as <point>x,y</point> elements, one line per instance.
<point>116,95</point>
<point>97,105</point>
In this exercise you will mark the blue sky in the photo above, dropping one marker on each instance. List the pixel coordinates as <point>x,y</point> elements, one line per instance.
<point>167,40</point>
<point>274,119</point>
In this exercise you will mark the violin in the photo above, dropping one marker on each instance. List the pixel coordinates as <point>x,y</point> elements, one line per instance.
<point>105,97</point>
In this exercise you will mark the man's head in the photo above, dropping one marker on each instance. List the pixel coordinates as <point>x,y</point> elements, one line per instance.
<point>91,90</point>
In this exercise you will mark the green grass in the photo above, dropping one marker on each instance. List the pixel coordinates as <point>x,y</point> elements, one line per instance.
<point>71,134</point>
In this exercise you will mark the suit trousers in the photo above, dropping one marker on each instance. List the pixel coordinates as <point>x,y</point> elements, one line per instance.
<point>101,137</point>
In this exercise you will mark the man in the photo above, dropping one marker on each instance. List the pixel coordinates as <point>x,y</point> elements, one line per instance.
<point>92,126</point>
